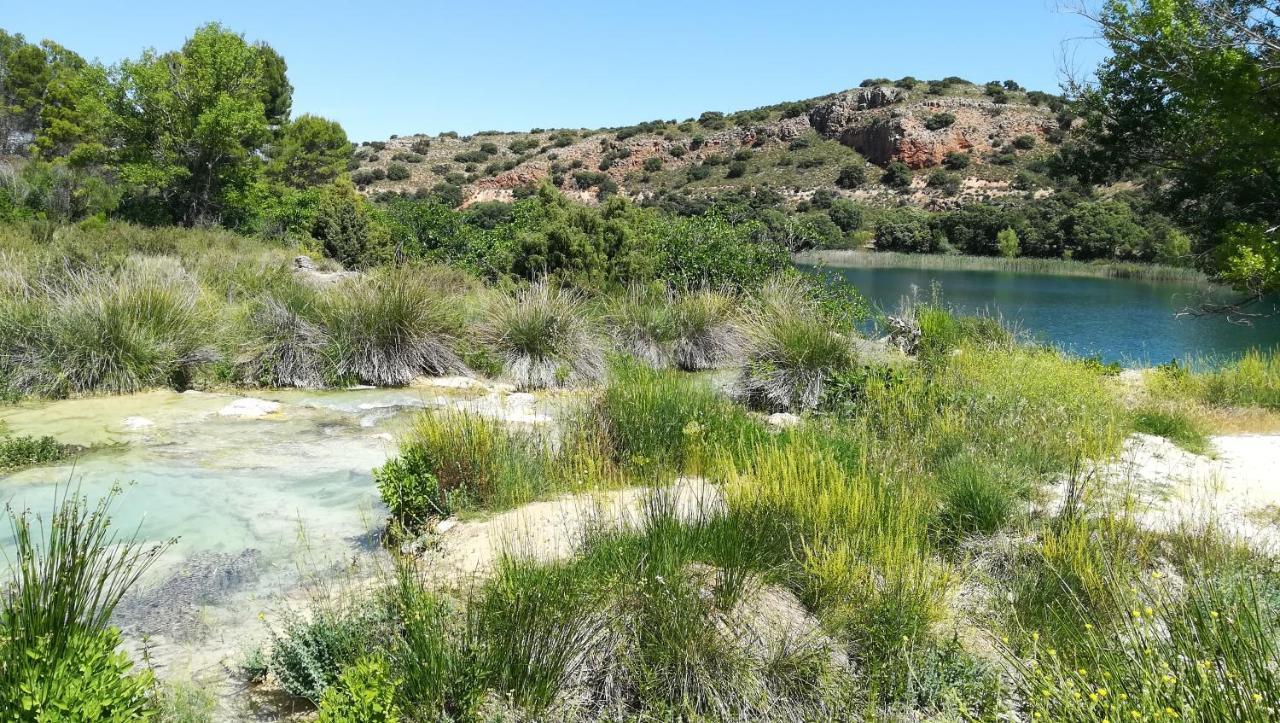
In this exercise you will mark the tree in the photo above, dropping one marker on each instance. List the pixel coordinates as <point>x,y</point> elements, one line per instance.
<point>193,124</point>
<point>342,226</point>
<point>906,229</point>
<point>1188,99</point>
<point>310,151</point>
<point>845,214</point>
<point>1007,242</point>
<point>24,75</point>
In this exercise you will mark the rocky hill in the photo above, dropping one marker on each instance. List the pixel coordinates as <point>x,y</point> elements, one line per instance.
<point>960,141</point>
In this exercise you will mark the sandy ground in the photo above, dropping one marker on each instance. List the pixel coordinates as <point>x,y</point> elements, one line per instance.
<point>1238,488</point>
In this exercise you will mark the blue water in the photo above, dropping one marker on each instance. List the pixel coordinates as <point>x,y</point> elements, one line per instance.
<point>1131,322</point>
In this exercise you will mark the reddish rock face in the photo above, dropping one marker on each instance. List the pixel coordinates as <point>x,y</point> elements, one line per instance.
<point>898,133</point>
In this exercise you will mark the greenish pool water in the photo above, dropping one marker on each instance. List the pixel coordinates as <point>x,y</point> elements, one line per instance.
<point>1128,321</point>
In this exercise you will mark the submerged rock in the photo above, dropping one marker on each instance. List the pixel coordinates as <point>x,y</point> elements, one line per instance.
<point>138,423</point>
<point>172,608</point>
<point>249,408</point>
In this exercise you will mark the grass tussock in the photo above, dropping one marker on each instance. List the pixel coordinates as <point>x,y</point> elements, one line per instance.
<point>545,336</point>
<point>707,333</point>
<point>794,349</point>
<point>1253,380</point>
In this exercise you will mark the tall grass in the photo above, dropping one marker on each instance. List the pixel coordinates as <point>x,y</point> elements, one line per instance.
<point>643,324</point>
<point>545,337</point>
<point>707,335</point>
<point>1055,267</point>
<point>1204,653</point>
<point>666,421</point>
<point>1251,380</point>
<point>144,326</point>
<point>391,326</point>
<point>57,649</point>
<point>793,350</point>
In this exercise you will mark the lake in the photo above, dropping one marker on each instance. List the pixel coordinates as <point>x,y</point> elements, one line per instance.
<point>1128,321</point>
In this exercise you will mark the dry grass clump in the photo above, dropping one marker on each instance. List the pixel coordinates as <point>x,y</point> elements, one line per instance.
<point>545,337</point>
<point>707,336</point>
<point>794,349</point>
<point>643,324</point>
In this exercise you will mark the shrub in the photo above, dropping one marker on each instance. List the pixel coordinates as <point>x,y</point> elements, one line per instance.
<point>677,151</point>
<point>472,156</point>
<point>23,451</point>
<point>545,337</point>
<point>397,172</point>
<point>1024,142</point>
<point>308,654</point>
<point>852,176</point>
<point>938,121</point>
<point>421,146</point>
<point>956,160</point>
<point>737,169</point>
<point>59,651</point>
<point>896,175</point>
<point>793,350</point>
<point>905,229</point>
<point>365,693</point>
<point>391,327</point>
<point>652,164</point>
<point>698,173</point>
<point>847,215</point>
<point>945,181</point>
<point>454,462</point>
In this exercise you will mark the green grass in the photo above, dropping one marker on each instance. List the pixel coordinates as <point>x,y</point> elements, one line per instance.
<point>68,573</point>
<point>1055,267</point>
<point>1178,425</point>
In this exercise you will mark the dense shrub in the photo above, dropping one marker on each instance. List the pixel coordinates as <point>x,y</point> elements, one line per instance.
<point>17,452</point>
<point>852,176</point>
<point>938,121</point>
<point>1024,142</point>
<point>945,181</point>
<point>736,169</point>
<point>906,229</point>
<point>472,156</point>
<point>397,172</point>
<point>896,175</point>
<point>846,214</point>
<point>365,693</point>
<point>421,146</point>
<point>956,160</point>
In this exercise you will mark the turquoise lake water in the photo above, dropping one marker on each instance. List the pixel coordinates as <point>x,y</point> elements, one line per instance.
<point>1128,321</point>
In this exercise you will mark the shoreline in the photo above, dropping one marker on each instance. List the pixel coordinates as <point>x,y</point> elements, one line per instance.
<point>854,259</point>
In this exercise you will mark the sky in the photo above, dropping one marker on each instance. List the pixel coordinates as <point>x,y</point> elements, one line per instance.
<point>383,68</point>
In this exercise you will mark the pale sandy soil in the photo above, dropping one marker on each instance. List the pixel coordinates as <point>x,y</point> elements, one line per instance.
<point>1237,489</point>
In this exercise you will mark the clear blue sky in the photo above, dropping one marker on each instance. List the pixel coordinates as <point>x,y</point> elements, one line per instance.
<point>403,67</point>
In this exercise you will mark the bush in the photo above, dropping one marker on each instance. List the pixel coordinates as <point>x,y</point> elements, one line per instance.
<point>421,146</point>
<point>938,121</point>
<point>956,160</point>
<point>1024,142</point>
<point>945,181</point>
<point>852,176</point>
<point>397,172</point>
<point>896,175</point>
<point>472,156</point>
<point>545,337</point>
<point>906,229</point>
<point>365,693</point>
<point>23,451</point>
<point>793,350</point>
<point>652,164</point>
<point>309,654</point>
<point>737,169</point>
<point>847,215</point>
<point>698,173</point>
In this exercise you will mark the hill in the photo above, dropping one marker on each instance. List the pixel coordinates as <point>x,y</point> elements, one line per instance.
<point>961,143</point>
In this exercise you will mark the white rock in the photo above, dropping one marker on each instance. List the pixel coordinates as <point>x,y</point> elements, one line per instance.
<point>783,420</point>
<point>138,423</point>
<point>444,526</point>
<point>249,408</point>
<point>521,399</point>
<point>452,382</point>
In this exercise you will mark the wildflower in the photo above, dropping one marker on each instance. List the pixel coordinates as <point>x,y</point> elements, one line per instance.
<point>1257,697</point>
<point>1150,612</point>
